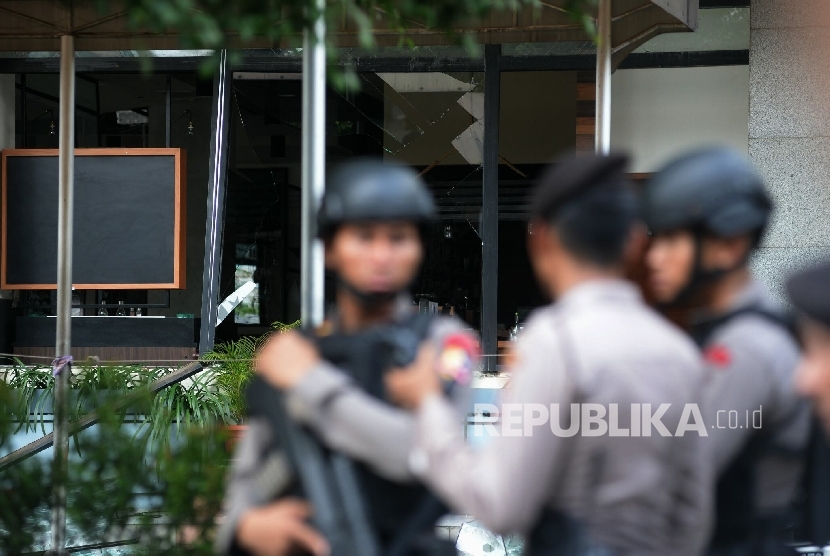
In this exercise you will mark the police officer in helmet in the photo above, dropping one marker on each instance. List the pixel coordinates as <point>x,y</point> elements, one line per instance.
<point>578,492</point>
<point>373,220</point>
<point>707,212</point>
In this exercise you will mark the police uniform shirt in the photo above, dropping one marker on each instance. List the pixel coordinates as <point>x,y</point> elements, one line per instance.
<point>342,417</point>
<point>750,389</point>
<point>643,495</point>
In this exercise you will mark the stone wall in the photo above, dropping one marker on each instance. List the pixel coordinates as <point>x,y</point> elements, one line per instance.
<point>789,130</point>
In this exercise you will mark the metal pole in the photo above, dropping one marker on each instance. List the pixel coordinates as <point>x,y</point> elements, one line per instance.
<point>218,168</point>
<point>312,294</point>
<point>603,121</point>
<point>66,159</point>
<point>490,207</point>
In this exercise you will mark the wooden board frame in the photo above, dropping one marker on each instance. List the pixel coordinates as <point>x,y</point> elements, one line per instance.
<point>179,217</point>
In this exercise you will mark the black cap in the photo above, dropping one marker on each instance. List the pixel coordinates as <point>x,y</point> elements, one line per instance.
<point>371,190</point>
<point>714,189</point>
<point>573,176</point>
<point>809,291</point>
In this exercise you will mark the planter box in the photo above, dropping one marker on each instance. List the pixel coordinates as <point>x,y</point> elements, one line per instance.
<point>236,432</point>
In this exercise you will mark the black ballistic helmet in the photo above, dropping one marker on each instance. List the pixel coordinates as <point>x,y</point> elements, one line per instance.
<point>713,190</point>
<point>370,190</point>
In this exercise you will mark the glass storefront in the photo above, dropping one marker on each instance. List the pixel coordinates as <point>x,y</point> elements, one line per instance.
<point>422,107</point>
<point>431,121</point>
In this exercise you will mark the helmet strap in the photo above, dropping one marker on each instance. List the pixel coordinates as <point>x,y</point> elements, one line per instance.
<point>699,278</point>
<point>369,301</point>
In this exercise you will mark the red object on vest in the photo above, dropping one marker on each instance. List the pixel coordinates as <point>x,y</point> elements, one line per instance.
<point>718,355</point>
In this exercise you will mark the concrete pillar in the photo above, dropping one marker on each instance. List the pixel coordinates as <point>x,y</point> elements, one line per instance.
<point>789,130</point>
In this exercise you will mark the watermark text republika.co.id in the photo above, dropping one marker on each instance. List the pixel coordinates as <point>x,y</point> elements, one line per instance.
<point>594,419</point>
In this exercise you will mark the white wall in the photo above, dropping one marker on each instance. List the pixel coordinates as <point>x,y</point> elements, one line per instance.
<point>659,113</point>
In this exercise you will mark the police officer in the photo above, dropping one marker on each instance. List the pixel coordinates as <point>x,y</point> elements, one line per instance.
<point>373,219</point>
<point>597,351</point>
<point>707,211</point>
<point>809,292</point>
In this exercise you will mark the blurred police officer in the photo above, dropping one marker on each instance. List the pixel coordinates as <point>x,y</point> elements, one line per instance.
<point>707,211</point>
<point>809,292</point>
<point>373,220</point>
<point>631,492</point>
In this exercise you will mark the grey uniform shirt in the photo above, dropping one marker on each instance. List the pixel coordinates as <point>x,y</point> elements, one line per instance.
<point>344,418</point>
<point>644,495</point>
<point>751,362</point>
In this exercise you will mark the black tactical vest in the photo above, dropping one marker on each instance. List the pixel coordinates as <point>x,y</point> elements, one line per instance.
<point>358,511</point>
<point>366,356</point>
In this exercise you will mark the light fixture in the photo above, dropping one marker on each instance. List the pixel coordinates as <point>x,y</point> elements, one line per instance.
<point>52,126</point>
<point>190,127</point>
<point>447,232</point>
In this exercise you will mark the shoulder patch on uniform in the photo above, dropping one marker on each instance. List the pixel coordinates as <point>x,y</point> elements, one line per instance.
<point>718,355</point>
<point>458,358</point>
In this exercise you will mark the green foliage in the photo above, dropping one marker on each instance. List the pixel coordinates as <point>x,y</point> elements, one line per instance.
<point>234,365</point>
<point>218,24</point>
<point>24,489</point>
<point>132,479</point>
<point>104,482</point>
<point>110,484</point>
<point>582,11</point>
<point>193,477</point>
<point>280,327</point>
<point>197,400</point>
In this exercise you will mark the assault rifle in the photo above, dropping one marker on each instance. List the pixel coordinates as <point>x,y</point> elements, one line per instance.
<point>328,480</point>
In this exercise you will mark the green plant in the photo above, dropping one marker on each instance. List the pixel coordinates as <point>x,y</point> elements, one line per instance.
<point>199,400</point>
<point>114,491</point>
<point>196,400</point>
<point>233,363</point>
<point>170,448</point>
